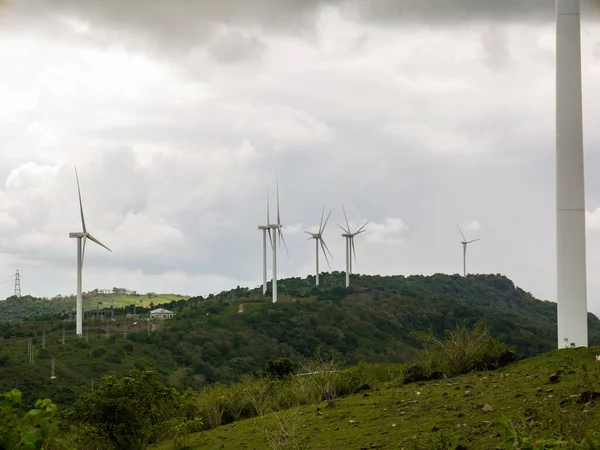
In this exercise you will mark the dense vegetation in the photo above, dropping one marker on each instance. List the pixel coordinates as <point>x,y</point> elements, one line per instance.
<point>541,402</point>
<point>544,402</point>
<point>20,309</point>
<point>377,320</point>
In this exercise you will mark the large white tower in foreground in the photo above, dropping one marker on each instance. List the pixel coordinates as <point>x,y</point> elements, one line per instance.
<point>570,194</point>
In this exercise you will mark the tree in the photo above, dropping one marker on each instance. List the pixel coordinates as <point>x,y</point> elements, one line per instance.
<point>131,412</point>
<point>279,368</point>
<point>32,431</point>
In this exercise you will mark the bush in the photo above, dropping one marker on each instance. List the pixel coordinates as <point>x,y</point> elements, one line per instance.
<point>465,349</point>
<point>31,431</point>
<point>279,368</point>
<point>131,412</point>
<point>97,352</point>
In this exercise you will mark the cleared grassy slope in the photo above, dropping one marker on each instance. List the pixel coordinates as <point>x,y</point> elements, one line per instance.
<point>435,414</point>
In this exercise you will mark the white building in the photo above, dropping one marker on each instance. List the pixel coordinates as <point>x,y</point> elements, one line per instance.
<point>161,313</point>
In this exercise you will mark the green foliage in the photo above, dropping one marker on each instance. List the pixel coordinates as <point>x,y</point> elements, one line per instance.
<point>31,431</point>
<point>131,412</point>
<point>279,368</point>
<point>209,341</point>
<point>448,413</point>
<point>462,350</point>
<point>322,379</point>
<point>516,438</point>
<point>27,308</point>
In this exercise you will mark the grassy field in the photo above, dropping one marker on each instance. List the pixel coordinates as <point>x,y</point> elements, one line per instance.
<point>442,414</point>
<point>121,300</point>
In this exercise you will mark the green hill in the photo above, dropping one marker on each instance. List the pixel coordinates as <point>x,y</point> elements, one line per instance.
<point>224,336</point>
<point>19,309</point>
<point>454,413</point>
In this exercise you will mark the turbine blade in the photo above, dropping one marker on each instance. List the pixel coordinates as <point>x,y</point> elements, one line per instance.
<point>327,248</point>
<point>80,202</point>
<point>270,238</point>
<point>461,233</point>
<point>321,223</point>
<point>326,220</point>
<point>343,229</point>
<point>268,218</point>
<point>346,217</point>
<point>361,229</point>
<point>93,239</point>
<point>353,249</point>
<point>278,217</point>
<point>325,253</point>
<point>282,239</point>
<point>478,239</point>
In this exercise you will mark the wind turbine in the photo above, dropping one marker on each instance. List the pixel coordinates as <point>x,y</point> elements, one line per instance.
<point>464,244</point>
<point>318,237</point>
<point>82,237</point>
<point>278,231</point>
<point>570,192</point>
<point>350,249</point>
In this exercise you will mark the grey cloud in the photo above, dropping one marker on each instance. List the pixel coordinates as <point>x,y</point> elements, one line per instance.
<point>231,46</point>
<point>458,12</point>
<point>178,26</point>
<point>174,26</point>
<point>495,46</point>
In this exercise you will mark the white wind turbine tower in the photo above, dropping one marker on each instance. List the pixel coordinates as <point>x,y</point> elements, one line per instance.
<point>570,189</point>
<point>318,237</point>
<point>266,229</point>
<point>464,243</point>
<point>350,249</point>
<point>81,237</point>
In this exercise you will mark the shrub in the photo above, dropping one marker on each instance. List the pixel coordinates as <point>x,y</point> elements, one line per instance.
<point>463,350</point>
<point>97,352</point>
<point>31,431</point>
<point>130,412</point>
<point>279,368</point>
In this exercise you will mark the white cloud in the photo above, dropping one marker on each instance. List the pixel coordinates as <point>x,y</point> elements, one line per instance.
<point>296,228</point>
<point>389,232</point>
<point>592,220</point>
<point>179,125</point>
<point>474,225</point>
<point>143,234</point>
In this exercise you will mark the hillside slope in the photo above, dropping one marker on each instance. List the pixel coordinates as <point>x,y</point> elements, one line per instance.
<point>19,309</point>
<point>450,413</point>
<point>211,340</point>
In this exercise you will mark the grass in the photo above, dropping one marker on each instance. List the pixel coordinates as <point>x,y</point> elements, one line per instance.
<point>435,414</point>
<point>122,300</point>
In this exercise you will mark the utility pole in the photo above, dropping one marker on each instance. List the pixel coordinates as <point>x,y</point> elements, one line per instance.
<point>17,284</point>
<point>44,339</point>
<point>30,350</point>
<point>52,373</point>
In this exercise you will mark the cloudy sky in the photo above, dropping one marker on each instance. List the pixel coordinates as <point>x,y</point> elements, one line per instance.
<point>415,114</point>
